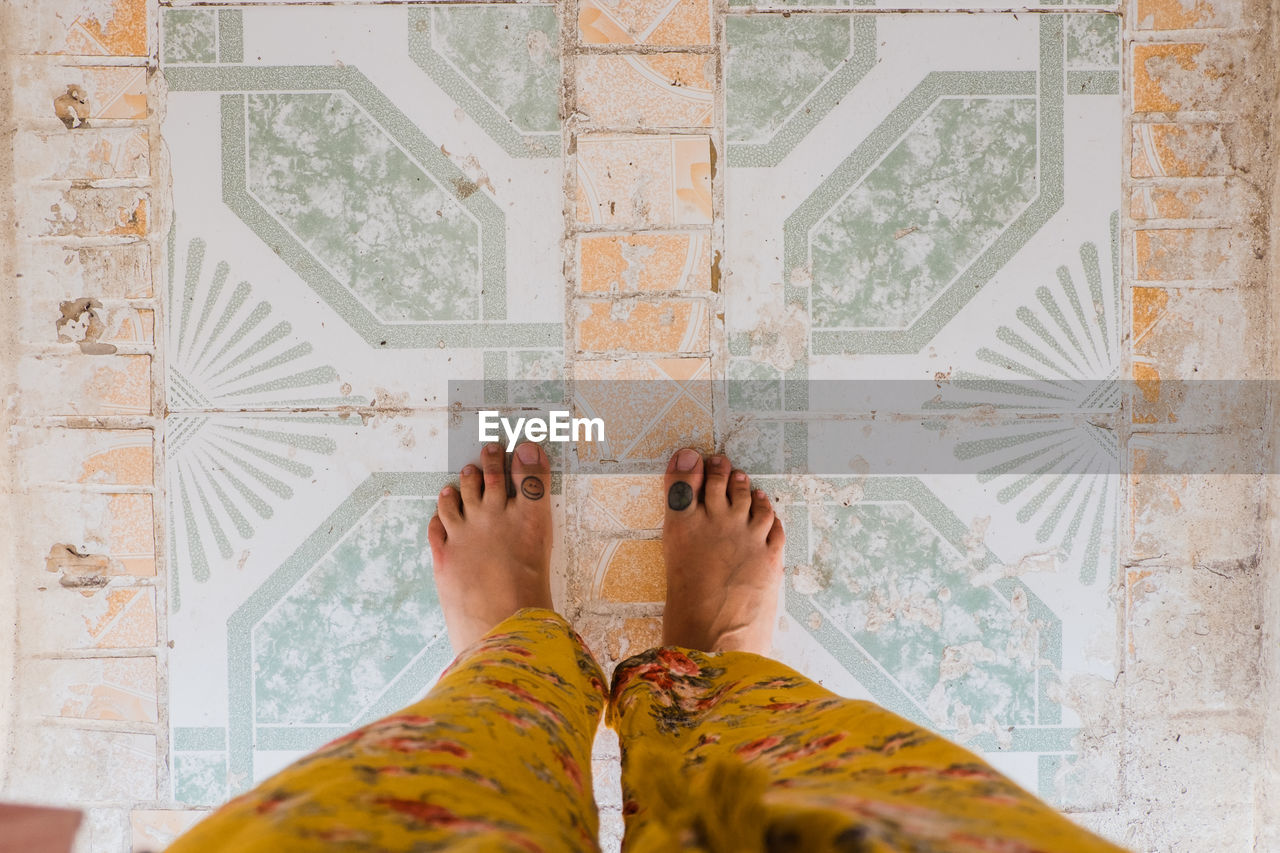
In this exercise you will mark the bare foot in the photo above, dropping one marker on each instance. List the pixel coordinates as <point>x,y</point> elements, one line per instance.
<point>723,548</point>
<point>491,553</point>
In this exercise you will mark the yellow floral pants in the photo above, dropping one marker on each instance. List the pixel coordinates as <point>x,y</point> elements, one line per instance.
<point>721,752</point>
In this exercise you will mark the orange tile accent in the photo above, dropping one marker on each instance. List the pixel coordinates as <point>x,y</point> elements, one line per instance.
<point>1178,150</point>
<point>125,618</point>
<point>654,90</point>
<point>1160,203</point>
<point>633,637</point>
<point>631,570</point>
<point>132,538</point>
<point>123,32</point>
<point>1170,77</point>
<point>654,22</point>
<point>649,419</point>
<point>120,689</point>
<point>123,387</point>
<point>632,501</point>
<point>1177,14</point>
<point>1177,254</point>
<point>156,829</point>
<point>129,465</point>
<point>1149,304</point>
<point>116,92</point>
<point>629,263</point>
<point>642,326</point>
<point>644,181</point>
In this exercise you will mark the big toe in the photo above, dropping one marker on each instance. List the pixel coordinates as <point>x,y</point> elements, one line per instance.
<point>683,482</point>
<point>531,475</point>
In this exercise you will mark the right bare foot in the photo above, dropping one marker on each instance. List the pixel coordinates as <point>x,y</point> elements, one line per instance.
<point>723,548</point>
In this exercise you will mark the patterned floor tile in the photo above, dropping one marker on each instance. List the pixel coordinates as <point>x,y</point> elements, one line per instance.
<point>354,239</point>
<point>648,22</point>
<point>941,218</point>
<point>647,261</point>
<point>644,181</point>
<point>650,90</point>
<point>340,248</point>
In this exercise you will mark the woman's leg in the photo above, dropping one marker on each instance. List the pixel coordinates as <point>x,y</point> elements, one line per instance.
<point>727,750</point>
<point>498,755</point>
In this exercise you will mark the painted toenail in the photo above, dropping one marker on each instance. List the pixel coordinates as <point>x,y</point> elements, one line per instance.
<point>686,459</point>
<point>528,453</point>
<point>739,477</point>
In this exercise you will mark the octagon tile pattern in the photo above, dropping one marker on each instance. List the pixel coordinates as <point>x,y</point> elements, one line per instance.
<point>362,224</point>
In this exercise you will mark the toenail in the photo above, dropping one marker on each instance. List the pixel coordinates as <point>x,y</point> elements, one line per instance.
<point>760,494</point>
<point>739,477</point>
<point>717,461</point>
<point>491,449</point>
<point>686,459</point>
<point>446,491</point>
<point>468,469</point>
<point>528,453</point>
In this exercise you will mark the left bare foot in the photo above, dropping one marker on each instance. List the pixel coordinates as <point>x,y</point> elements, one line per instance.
<point>491,553</point>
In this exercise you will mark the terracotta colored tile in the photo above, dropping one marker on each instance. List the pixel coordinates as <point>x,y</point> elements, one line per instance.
<point>156,829</point>
<point>644,181</point>
<point>97,327</point>
<point>95,689</point>
<point>75,97</point>
<point>633,636</point>
<point>633,502</point>
<point>651,90</point>
<point>132,539</point>
<point>86,385</point>
<point>88,212</point>
<point>90,154</point>
<point>1184,254</point>
<point>630,570</point>
<point>651,407</point>
<point>629,263</point>
<point>110,618</point>
<point>1180,15</point>
<point>1171,77</point>
<point>1179,150</point>
<point>119,31</point>
<point>85,456</point>
<point>1213,199</point>
<point>643,326</point>
<point>686,22</point>
<point>1189,503</point>
<point>1182,336</point>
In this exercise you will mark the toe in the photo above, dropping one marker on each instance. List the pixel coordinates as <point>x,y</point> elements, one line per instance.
<point>493,463</point>
<point>776,538</point>
<point>683,482</point>
<point>530,472</point>
<point>715,494</point>
<point>472,486</point>
<point>448,507</point>
<point>436,537</point>
<point>762,516</point>
<point>739,493</point>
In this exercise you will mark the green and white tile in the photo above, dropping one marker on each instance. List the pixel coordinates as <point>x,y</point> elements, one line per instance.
<point>357,223</point>
<point>923,201</point>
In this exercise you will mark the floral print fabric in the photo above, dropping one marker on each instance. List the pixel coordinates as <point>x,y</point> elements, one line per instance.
<point>721,752</point>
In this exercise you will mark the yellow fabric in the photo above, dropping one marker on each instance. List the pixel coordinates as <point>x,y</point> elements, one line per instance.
<point>728,752</point>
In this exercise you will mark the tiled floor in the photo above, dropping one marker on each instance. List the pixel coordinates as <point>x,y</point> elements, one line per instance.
<point>358,221</point>
<point>353,211</point>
